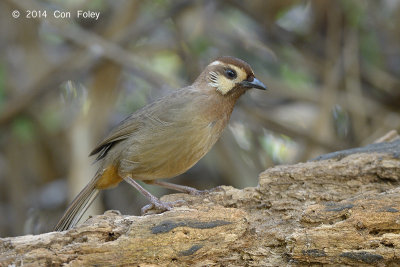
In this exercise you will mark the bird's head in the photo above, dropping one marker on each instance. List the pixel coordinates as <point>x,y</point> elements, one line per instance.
<point>231,76</point>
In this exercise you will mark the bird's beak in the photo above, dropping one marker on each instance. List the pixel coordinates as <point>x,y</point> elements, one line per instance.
<point>254,84</point>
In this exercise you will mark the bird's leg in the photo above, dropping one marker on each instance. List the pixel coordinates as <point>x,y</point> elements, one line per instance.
<point>158,204</point>
<point>176,187</point>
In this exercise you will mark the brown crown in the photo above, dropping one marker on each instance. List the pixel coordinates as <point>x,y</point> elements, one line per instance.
<point>237,62</point>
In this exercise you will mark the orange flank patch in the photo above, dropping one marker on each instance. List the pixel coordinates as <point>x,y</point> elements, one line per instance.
<point>109,178</point>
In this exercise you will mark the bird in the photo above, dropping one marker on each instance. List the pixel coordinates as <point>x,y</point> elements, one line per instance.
<point>166,137</point>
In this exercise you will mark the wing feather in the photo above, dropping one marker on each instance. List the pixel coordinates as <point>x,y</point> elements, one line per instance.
<point>163,111</point>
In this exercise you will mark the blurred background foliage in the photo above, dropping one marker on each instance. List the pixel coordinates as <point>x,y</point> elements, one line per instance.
<point>332,68</point>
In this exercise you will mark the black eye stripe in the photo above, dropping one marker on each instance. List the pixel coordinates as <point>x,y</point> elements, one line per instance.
<point>230,74</point>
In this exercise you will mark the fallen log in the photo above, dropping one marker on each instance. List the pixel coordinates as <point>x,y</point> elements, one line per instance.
<point>339,209</point>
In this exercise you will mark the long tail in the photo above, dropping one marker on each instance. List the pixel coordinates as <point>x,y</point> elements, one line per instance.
<point>78,206</point>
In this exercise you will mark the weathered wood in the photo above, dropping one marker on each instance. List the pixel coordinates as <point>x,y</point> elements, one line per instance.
<point>343,208</point>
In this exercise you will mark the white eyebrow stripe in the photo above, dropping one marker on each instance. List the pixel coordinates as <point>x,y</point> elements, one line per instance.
<point>217,62</point>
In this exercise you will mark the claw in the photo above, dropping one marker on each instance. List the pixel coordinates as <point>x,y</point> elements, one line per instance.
<point>196,192</point>
<point>159,207</point>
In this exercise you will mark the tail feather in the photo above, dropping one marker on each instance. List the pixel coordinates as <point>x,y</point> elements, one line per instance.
<point>78,206</point>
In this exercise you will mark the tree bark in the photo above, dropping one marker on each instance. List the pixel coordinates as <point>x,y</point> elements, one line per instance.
<point>342,208</point>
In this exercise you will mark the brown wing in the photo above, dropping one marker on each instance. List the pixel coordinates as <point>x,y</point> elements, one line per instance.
<point>122,131</point>
<point>158,112</point>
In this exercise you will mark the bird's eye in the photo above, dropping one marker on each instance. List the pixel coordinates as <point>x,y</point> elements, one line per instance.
<point>230,74</point>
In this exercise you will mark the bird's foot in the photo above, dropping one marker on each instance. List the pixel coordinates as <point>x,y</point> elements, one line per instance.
<point>159,206</point>
<point>195,192</point>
